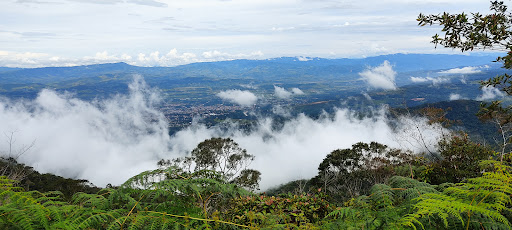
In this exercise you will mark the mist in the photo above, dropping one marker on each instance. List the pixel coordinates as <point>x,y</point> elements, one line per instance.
<point>108,141</point>
<point>103,141</point>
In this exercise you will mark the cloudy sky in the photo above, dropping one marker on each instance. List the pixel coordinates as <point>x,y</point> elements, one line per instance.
<point>172,32</point>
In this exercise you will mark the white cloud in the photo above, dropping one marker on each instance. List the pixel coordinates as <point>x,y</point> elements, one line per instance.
<point>456,96</point>
<point>302,58</point>
<point>463,70</point>
<point>367,96</point>
<point>308,28</point>
<point>439,80</point>
<point>106,57</point>
<point>282,93</point>
<point>419,79</point>
<point>103,141</point>
<point>296,150</point>
<point>215,55</point>
<point>489,93</point>
<point>148,3</point>
<point>137,2</point>
<point>249,86</point>
<point>243,98</point>
<point>380,77</point>
<point>434,80</point>
<point>297,91</point>
<point>281,111</point>
<point>171,58</point>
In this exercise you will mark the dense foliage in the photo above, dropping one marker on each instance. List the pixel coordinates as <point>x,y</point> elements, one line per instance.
<point>472,191</point>
<point>29,179</point>
<point>172,199</point>
<point>459,159</point>
<point>346,173</point>
<point>222,155</point>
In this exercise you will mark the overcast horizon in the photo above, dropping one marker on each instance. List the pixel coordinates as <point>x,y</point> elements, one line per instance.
<point>40,33</point>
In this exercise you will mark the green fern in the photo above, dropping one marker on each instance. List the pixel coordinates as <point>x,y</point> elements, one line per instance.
<point>478,203</point>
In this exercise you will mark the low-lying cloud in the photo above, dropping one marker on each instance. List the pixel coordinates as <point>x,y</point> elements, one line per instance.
<point>464,70</point>
<point>380,77</point>
<point>296,150</point>
<point>419,79</point>
<point>103,141</point>
<point>489,93</point>
<point>241,97</point>
<point>111,140</point>
<point>171,58</point>
<point>456,96</point>
<point>434,80</point>
<point>282,93</point>
<point>297,91</point>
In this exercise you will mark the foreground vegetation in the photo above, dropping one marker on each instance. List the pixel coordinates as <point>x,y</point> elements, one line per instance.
<point>368,186</point>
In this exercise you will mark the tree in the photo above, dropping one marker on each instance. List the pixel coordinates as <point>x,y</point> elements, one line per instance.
<point>222,155</point>
<point>477,32</point>
<point>347,173</point>
<point>459,160</point>
<point>9,166</point>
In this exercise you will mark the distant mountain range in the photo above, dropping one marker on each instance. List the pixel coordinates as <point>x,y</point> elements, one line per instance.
<point>316,76</point>
<point>248,68</point>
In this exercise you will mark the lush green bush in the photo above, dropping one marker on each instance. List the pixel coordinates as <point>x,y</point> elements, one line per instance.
<point>348,173</point>
<point>458,160</point>
<point>202,200</point>
<point>285,211</point>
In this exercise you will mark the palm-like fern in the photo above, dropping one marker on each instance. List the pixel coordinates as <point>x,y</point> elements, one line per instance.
<point>383,208</point>
<point>478,203</point>
<point>175,202</point>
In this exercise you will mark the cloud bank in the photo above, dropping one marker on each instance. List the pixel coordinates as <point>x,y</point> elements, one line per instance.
<point>102,141</point>
<point>241,97</point>
<point>111,140</point>
<point>380,77</point>
<point>296,150</point>
<point>171,58</point>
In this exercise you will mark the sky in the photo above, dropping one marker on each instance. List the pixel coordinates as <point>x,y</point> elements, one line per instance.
<point>37,33</point>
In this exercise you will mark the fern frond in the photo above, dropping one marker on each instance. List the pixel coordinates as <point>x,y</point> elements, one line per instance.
<point>381,196</point>
<point>343,213</point>
<point>480,200</point>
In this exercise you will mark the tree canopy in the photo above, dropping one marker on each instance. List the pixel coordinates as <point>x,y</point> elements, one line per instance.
<point>222,155</point>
